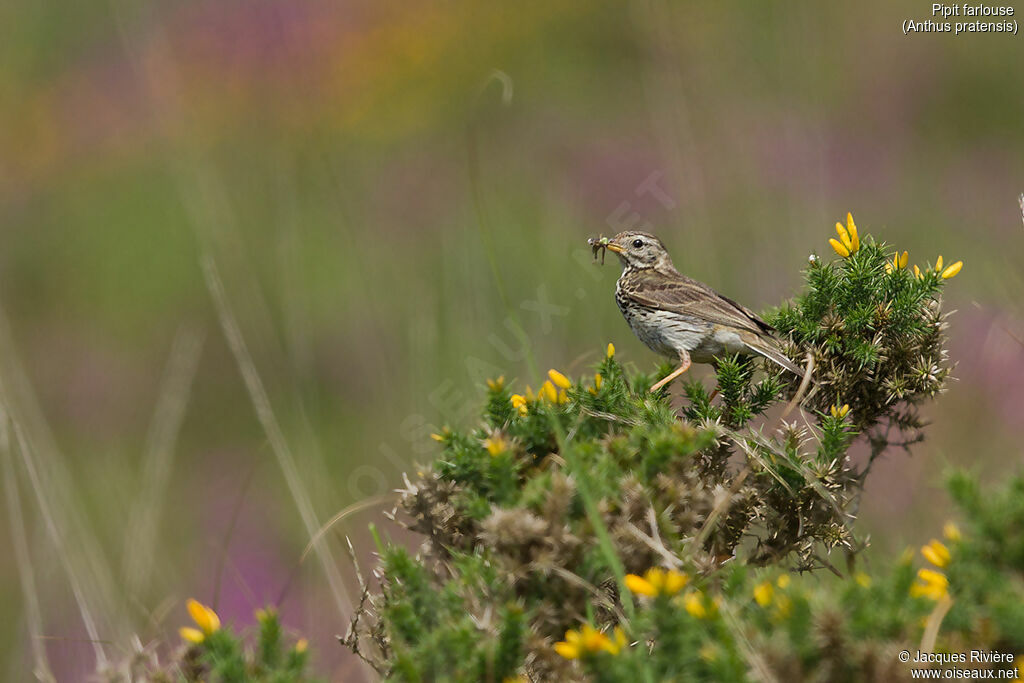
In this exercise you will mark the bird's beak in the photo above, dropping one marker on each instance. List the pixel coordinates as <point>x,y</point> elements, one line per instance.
<point>614,247</point>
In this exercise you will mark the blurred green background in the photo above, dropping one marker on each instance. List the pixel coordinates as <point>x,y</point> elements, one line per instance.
<point>396,198</point>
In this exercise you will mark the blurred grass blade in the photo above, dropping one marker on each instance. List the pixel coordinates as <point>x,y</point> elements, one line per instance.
<point>19,543</point>
<point>158,457</point>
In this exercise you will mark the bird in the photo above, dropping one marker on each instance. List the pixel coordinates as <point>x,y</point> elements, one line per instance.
<point>679,317</point>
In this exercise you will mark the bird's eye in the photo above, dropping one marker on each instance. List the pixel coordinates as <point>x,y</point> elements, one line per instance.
<point>637,244</point>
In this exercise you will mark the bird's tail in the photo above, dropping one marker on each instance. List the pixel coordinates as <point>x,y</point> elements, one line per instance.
<point>772,353</point>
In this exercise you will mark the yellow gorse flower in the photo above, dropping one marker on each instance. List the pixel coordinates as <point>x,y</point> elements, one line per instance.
<point>301,645</point>
<point>519,402</point>
<point>496,445</point>
<point>598,380</point>
<point>764,592</point>
<point>952,532</point>
<point>938,264</point>
<point>657,581</point>
<point>496,384</point>
<point>610,353</point>
<point>698,606</point>
<point>952,270</point>
<point>917,272</point>
<point>936,553</point>
<point>560,380</point>
<point>204,617</point>
<point>930,584</point>
<point>839,247</point>
<point>862,579</point>
<point>840,412</point>
<point>848,242</point>
<point>899,261</point>
<point>784,581</point>
<point>588,640</point>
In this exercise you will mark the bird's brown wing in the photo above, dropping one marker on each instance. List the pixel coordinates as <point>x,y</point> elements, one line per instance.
<point>686,296</point>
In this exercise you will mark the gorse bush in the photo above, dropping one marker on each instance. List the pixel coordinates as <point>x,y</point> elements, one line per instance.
<point>589,530</point>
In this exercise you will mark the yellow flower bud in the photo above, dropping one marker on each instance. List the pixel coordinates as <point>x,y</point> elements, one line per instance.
<point>844,236</point>
<point>560,380</point>
<point>839,247</point>
<point>611,350</point>
<point>936,553</point>
<point>205,618</point>
<point>192,635</point>
<point>952,270</point>
<point>851,229</point>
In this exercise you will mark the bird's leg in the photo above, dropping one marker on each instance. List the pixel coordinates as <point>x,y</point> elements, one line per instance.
<point>684,365</point>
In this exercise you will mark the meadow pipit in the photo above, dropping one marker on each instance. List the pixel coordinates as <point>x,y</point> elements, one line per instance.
<point>679,317</point>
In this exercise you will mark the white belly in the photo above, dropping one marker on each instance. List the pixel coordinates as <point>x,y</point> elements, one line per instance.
<point>669,333</point>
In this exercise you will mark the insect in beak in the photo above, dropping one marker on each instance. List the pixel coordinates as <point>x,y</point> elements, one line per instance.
<point>602,244</point>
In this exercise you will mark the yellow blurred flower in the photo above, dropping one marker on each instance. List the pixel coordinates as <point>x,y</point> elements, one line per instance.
<point>698,606</point>
<point>930,584</point>
<point>496,384</point>
<point>560,380</point>
<point>548,392</point>
<point>951,531</point>
<point>917,272</point>
<point>588,640</point>
<point>657,581</point>
<point>952,270</point>
<point>302,645</point>
<point>763,593</point>
<point>862,579</point>
<point>496,445</point>
<point>204,617</point>
<point>519,403</point>
<point>784,581</point>
<point>936,553</point>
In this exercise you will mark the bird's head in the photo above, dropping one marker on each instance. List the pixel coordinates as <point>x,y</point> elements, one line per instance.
<point>640,250</point>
